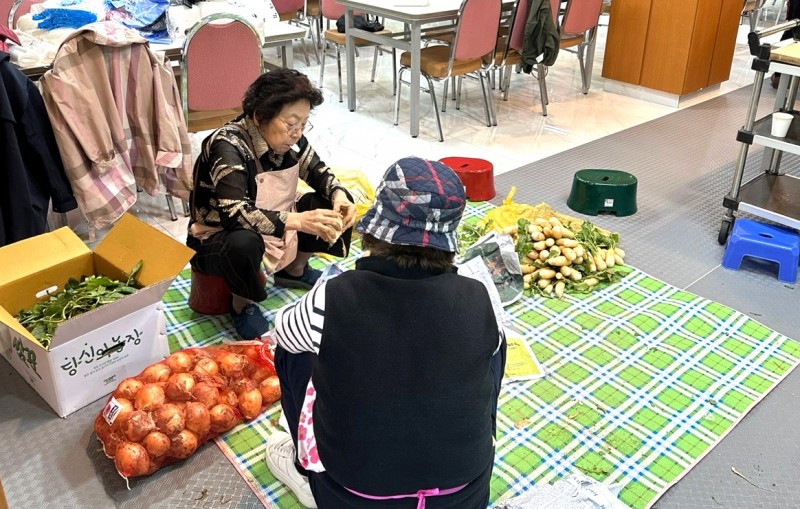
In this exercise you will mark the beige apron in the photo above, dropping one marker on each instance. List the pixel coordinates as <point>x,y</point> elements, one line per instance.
<point>275,190</point>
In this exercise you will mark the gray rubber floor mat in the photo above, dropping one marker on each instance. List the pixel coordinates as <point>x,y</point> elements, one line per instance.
<point>684,164</point>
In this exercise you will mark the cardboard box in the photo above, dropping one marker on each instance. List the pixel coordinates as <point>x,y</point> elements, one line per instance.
<point>91,353</point>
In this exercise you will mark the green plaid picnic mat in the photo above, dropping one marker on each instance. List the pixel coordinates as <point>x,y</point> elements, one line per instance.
<point>641,381</point>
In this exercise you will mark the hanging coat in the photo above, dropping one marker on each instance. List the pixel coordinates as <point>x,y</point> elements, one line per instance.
<point>542,40</point>
<point>116,110</point>
<point>31,173</point>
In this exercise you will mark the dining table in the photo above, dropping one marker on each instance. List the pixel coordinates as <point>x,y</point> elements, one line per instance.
<point>275,35</point>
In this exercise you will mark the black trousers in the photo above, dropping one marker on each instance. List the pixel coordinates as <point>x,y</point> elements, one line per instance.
<point>235,255</point>
<point>294,372</point>
<point>792,12</point>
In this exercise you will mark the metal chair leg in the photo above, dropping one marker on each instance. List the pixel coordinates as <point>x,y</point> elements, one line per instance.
<point>394,71</point>
<point>375,63</point>
<point>483,77</point>
<point>432,92</point>
<point>459,81</point>
<point>186,210</point>
<point>444,93</point>
<point>507,84</point>
<point>339,70</point>
<point>397,96</point>
<point>582,66</point>
<point>489,102</point>
<point>171,207</point>
<point>541,70</point>
<point>322,68</point>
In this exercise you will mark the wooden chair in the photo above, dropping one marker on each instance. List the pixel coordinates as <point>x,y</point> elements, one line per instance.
<point>18,9</point>
<point>752,9</point>
<point>477,25</point>
<point>221,58</point>
<point>332,10</point>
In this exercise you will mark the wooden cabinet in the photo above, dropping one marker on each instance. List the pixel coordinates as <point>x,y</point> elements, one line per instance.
<point>675,46</point>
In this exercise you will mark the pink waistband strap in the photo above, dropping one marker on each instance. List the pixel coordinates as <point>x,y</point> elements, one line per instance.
<point>420,495</point>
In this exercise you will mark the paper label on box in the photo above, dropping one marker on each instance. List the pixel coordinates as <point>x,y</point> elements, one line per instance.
<point>608,202</point>
<point>111,410</point>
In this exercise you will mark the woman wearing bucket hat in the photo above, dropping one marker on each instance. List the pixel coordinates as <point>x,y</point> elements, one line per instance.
<point>390,373</point>
<point>244,208</point>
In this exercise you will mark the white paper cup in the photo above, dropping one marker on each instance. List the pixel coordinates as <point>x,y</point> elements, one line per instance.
<point>780,123</point>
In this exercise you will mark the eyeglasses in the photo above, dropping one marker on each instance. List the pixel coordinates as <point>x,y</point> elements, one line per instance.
<point>294,129</point>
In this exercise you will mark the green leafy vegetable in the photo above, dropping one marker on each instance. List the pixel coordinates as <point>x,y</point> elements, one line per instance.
<point>78,297</point>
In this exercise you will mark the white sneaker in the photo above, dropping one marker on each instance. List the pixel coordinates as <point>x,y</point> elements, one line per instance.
<point>280,460</point>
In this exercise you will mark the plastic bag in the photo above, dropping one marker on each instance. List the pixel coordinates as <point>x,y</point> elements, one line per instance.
<point>167,411</point>
<point>498,252</point>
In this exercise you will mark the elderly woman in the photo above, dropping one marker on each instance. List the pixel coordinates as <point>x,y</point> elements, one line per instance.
<point>244,207</point>
<point>390,373</point>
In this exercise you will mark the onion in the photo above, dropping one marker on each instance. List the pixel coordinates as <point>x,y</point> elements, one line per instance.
<point>149,397</point>
<point>183,444</point>
<point>101,428</point>
<point>125,408</point>
<point>206,394</point>
<point>242,384</point>
<point>179,362</point>
<point>110,446</point>
<point>169,419</point>
<point>232,364</point>
<point>131,459</point>
<point>198,419</point>
<point>137,425</point>
<point>158,372</point>
<point>270,390</point>
<point>262,373</point>
<point>223,418</point>
<point>250,403</point>
<point>206,366</point>
<point>228,397</point>
<point>179,387</point>
<point>128,388</point>
<point>156,443</point>
<point>253,352</point>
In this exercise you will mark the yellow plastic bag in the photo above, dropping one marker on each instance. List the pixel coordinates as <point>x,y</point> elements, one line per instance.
<point>510,212</point>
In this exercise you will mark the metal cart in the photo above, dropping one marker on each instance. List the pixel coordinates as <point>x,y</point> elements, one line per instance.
<point>772,195</point>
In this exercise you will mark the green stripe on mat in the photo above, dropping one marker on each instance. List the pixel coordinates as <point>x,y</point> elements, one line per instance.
<point>642,380</point>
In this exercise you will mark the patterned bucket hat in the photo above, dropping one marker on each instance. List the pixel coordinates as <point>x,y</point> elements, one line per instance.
<point>418,203</point>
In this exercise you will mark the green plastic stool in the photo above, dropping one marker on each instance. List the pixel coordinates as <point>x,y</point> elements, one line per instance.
<point>596,191</point>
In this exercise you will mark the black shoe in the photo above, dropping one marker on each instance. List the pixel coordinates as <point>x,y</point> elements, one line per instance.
<point>305,281</point>
<point>776,79</point>
<point>250,323</point>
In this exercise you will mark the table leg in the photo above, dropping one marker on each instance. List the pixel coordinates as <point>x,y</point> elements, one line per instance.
<point>416,42</point>
<point>351,59</point>
<point>288,55</point>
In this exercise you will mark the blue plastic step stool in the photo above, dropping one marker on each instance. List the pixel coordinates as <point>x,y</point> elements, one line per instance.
<point>766,242</point>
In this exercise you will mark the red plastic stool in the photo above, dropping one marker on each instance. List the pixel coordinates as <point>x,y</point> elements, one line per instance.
<point>477,175</point>
<point>211,295</point>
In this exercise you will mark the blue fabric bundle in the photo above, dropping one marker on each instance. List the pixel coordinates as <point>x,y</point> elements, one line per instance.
<point>50,19</point>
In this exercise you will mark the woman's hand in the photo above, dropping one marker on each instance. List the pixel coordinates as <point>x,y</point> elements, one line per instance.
<point>344,207</point>
<point>325,224</point>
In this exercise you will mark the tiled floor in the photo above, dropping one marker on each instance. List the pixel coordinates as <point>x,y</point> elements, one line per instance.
<point>367,140</point>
